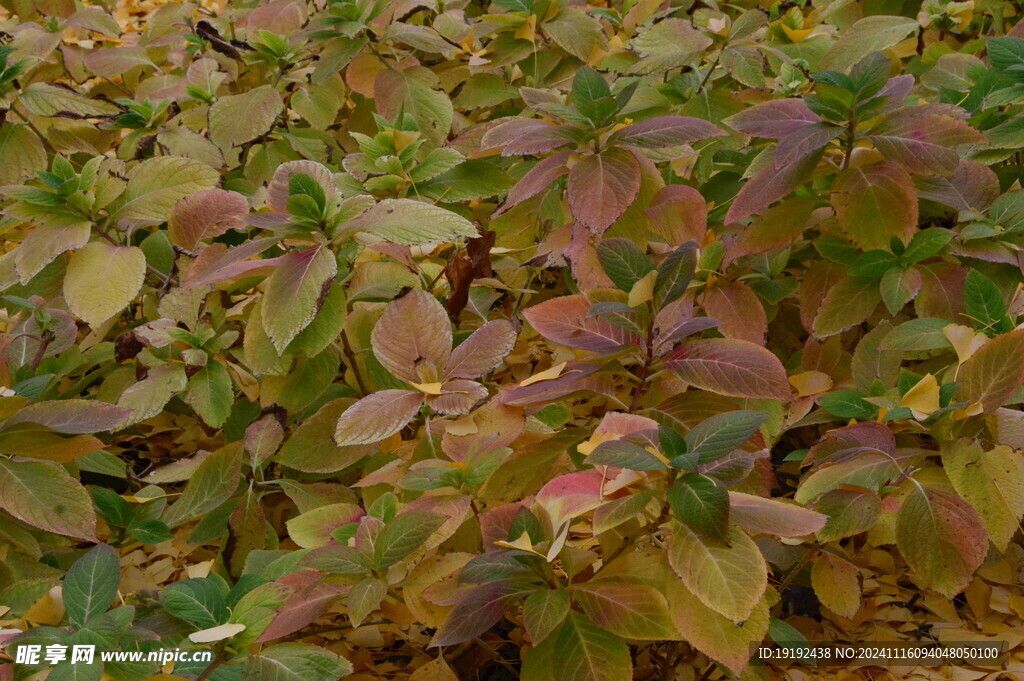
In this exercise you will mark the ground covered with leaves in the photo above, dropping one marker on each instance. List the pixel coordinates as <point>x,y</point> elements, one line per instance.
<point>539,339</point>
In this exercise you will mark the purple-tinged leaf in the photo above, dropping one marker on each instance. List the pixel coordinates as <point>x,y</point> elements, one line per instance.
<point>483,351</point>
<point>413,338</point>
<point>457,397</point>
<point>565,320</point>
<point>924,143</point>
<point>602,186</point>
<point>311,596</point>
<point>684,329</point>
<point>804,142</point>
<point>632,611</point>
<point>771,516</point>
<point>678,213</point>
<point>665,131</point>
<point>479,608</point>
<point>730,367</point>
<point>218,263</point>
<point>768,186</point>
<point>45,496</point>
<point>569,381</point>
<point>72,416</point>
<point>522,136</point>
<point>773,120</point>
<point>295,292</point>
<point>377,416</point>
<point>972,186</point>
<point>539,178</point>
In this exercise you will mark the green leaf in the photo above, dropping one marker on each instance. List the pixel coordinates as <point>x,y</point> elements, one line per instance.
<point>210,393</point>
<point>983,301</point>
<point>868,35</point>
<point>295,662</point>
<point>1007,56</point>
<point>515,5</point>
<point>578,651</point>
<point>701,503</point>
<point>588,86</point>
<point>200,602</point>
<point>412,223</point>
<point>256,610</point>
<point>402,536</point>
<point>715,437</point>
<point>43,99</point>
<point>543,611</point>
<point>156,184</point>
<point>623,262</point>
<point>917,335</point>
<point>927,243</point>
<point>475,179</point>
<point>91,584</point>
<point>847,404</point>
<point>211,485</point>
<point>623,454</point>
<point>295,291</point>
<point>675,274</point>
<point>364,597</point>
<point>237,119</point>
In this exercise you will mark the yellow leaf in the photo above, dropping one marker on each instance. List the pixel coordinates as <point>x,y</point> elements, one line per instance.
<point>643,290</point>
<point>923,398</point>
<point>965,340</point>
<point>523,543</point>
<point>810,383</point>
<point>546,375</point>
<point>835,581</point>
<point>404,138</point>
<point>428,388</point>
<point>797,35</point>
<point>528,31</point>
<point>587,448</point>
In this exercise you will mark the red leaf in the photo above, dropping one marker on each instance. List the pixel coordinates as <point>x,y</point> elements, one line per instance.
<point>740,311</point>
<point>205,215</point>
<point>310,598</point>
<point>678,213</point>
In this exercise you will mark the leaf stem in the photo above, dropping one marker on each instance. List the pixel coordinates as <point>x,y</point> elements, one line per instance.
<point>210,669</point>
